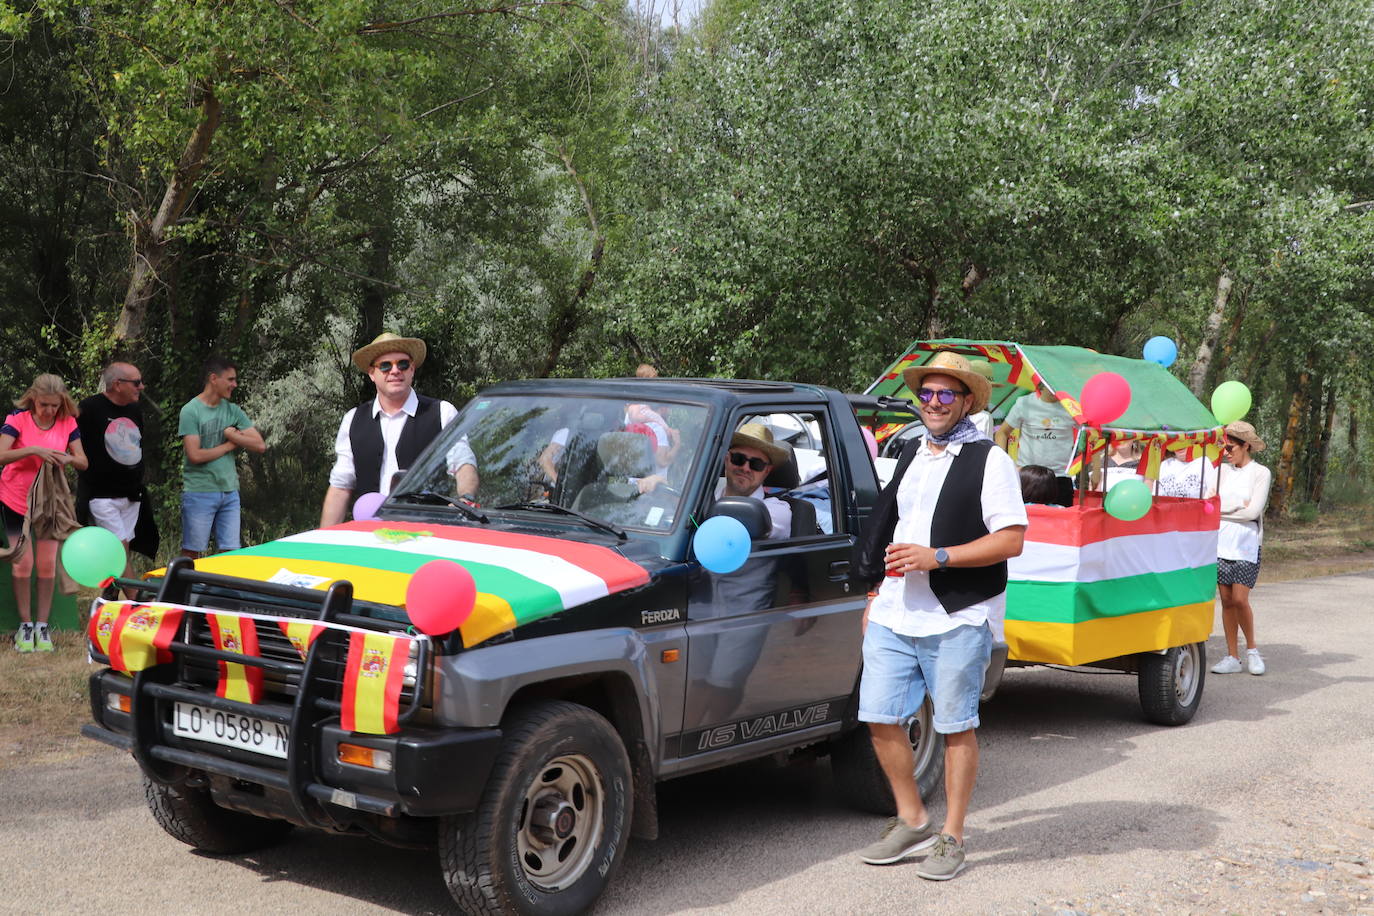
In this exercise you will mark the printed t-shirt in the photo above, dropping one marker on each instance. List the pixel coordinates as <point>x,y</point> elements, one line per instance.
<point>18,476</point>
<point>112,435</point>
<point>200,419</point>
<point>1047,433</point>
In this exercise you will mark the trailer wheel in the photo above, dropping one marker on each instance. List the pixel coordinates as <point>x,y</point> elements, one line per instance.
<point>192,817</point>
<point>553,821</point>
<point>859,778</point>
<point>1171,683</point>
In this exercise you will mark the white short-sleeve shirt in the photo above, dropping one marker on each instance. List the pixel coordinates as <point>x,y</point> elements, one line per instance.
<point>906,604</point>
<point>343,475</point>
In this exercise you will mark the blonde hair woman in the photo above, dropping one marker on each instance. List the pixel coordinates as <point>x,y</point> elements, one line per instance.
<point>42,430</point>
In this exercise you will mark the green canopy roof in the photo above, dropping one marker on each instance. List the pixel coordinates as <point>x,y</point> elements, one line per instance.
<point>1161,405</point>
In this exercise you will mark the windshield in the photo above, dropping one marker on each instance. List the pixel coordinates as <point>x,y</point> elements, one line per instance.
<point>614,461</point>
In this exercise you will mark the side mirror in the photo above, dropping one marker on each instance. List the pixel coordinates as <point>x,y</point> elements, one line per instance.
<point>747,511</point>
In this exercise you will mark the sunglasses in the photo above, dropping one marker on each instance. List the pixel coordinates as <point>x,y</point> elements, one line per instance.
<point>136,382</point>
<point>739,460</point>
<point>386,364</point>
<point>945,396</point>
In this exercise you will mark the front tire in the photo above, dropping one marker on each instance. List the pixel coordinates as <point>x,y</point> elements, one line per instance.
<point>191,816</point>
<point>860,779</point>
<point>553,821</point>
<point>1171,683</point>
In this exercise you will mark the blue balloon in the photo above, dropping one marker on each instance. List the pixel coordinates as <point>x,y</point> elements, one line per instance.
<point>1161,350</point>
<point>721,544</point>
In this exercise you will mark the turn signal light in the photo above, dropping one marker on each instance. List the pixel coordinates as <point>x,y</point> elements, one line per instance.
<point>670,655</point>
<point>370,757</point>
<point>119,702</point>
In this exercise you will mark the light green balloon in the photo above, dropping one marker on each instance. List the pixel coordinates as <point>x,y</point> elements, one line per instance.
<point>91,555</point>
<point>1128,500</point>
<point>1230,402</point>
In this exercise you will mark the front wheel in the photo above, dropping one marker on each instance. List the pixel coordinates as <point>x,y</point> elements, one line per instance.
<point>553,822</point>
<point>1171,683</point>
<point>190,815</point>
<point>860,779</point>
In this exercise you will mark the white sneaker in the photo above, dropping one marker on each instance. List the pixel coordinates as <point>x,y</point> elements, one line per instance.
<point>1254,662</point>
<point>1229,665</point>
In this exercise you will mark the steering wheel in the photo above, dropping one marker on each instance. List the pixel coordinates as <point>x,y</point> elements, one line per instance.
<point>893,444</point>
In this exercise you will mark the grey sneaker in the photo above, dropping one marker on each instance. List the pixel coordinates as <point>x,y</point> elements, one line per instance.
<point>945,861</point>
<point>23,640</point>
<point>898,841</point>
<point>42,641</point>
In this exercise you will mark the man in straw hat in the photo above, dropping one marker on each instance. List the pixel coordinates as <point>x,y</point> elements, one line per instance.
<point>386,434</point>
<point>752,456</point>
<point>938,541</point>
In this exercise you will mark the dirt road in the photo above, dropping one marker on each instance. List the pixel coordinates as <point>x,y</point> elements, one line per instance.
<point>1264,804</point>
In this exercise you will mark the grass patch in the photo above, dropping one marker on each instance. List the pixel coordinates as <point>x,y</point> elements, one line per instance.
<point>43,701</point>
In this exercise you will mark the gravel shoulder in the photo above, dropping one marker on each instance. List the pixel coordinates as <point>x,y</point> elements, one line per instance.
<point>1263,804</point>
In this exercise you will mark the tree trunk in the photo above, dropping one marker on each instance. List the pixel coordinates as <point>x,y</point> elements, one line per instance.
<point>567,316</point>
<point>1197,377</point>
<point>150,239</point>
<point>1318,484</point>
<point>1283,475</point>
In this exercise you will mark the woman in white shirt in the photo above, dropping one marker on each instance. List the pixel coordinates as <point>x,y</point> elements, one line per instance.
<point>1244,492</point>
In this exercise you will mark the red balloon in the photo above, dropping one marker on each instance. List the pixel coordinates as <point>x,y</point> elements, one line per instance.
<point>1105,397</point>
<point>440,597</point>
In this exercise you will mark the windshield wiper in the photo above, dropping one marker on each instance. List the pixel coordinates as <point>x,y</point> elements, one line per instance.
<point>563,510</point>
<point>434,497</point>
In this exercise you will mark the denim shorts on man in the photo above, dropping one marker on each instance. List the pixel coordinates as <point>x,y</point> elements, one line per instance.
<point>898,670</point>
<point>203,512</point>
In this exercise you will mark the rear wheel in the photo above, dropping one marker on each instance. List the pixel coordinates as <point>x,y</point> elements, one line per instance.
<point>553,822</point>
<point>859,777</point>
<point>1171,683</point>
<point>191,816</point>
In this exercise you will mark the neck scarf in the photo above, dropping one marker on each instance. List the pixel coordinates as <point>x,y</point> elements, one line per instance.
<point>963,431</point>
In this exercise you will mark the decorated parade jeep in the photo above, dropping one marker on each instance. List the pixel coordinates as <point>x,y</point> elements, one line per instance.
<point>507,674</point>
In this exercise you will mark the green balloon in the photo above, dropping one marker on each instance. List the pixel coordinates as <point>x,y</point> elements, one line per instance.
<point>1230,402</point>
<point>1128,500</point>
<point>91,555</point>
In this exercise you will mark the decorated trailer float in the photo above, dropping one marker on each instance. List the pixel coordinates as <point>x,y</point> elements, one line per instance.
<point>1095,586</point>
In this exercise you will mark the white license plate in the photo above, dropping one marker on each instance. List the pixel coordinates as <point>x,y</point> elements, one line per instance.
<point>230,729</point>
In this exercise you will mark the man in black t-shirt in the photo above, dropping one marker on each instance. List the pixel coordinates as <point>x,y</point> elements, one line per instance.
<point>111,425</point>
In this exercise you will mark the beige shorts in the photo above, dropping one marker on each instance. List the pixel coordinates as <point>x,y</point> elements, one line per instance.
<point>117,515</point>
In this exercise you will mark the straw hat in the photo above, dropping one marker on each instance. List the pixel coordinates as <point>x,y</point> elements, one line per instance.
<point>756,435</point>
<point>947,362</point>
<point>1245,433</point>
<point>387,342</point>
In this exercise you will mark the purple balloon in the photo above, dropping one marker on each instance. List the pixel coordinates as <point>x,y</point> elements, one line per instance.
<point>366,506</point>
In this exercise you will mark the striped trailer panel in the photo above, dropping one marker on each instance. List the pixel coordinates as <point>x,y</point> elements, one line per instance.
<point>1089,587</point>
<point>520,578</point>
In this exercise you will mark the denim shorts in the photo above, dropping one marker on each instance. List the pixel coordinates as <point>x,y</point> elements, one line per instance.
<point>898,670</point>
<point>203,512</point>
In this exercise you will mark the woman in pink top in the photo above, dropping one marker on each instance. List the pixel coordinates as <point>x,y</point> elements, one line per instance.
<point>42,430</point>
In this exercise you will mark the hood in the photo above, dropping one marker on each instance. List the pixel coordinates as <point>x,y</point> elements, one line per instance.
<point>520,577</point>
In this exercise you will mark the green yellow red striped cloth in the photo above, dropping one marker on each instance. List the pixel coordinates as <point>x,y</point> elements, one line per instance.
<point>1088,586</point>
<point>520,578</point>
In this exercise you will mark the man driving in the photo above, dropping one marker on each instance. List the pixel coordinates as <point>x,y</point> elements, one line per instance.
<point>751,458</point>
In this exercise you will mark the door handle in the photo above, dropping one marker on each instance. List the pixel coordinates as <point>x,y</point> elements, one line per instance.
<point>839,570</point>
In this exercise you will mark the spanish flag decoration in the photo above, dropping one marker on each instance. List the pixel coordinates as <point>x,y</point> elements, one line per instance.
<point>372,682</point>
<point>300,634</point>
<point>141,636</point>
<point>102,626</point>
<point>233,633</point>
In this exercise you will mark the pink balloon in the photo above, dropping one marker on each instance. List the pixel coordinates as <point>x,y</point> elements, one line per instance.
<point>870,441</point>
<point>1105,397</point>
<point>1208,507</point>
<point>440,597</point>
<point>366,506</point>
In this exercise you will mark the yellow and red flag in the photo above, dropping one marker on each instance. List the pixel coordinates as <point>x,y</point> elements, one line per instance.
<point>140,635</point>
<point>300,634</point>
<point>102,626</point>
<point>372,682</point>
<point>233,633</point>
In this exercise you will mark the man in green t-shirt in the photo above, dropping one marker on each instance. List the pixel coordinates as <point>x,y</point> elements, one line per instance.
<point>212,428</point>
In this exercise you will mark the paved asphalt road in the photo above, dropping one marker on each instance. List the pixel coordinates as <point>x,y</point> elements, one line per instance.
<point>1265,803</point>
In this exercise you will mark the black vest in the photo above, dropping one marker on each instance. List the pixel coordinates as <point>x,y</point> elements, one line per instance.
<point>958,519</point>
<point>365,437</point>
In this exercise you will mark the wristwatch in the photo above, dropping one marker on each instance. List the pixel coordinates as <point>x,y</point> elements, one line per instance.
<point>942,557</point>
